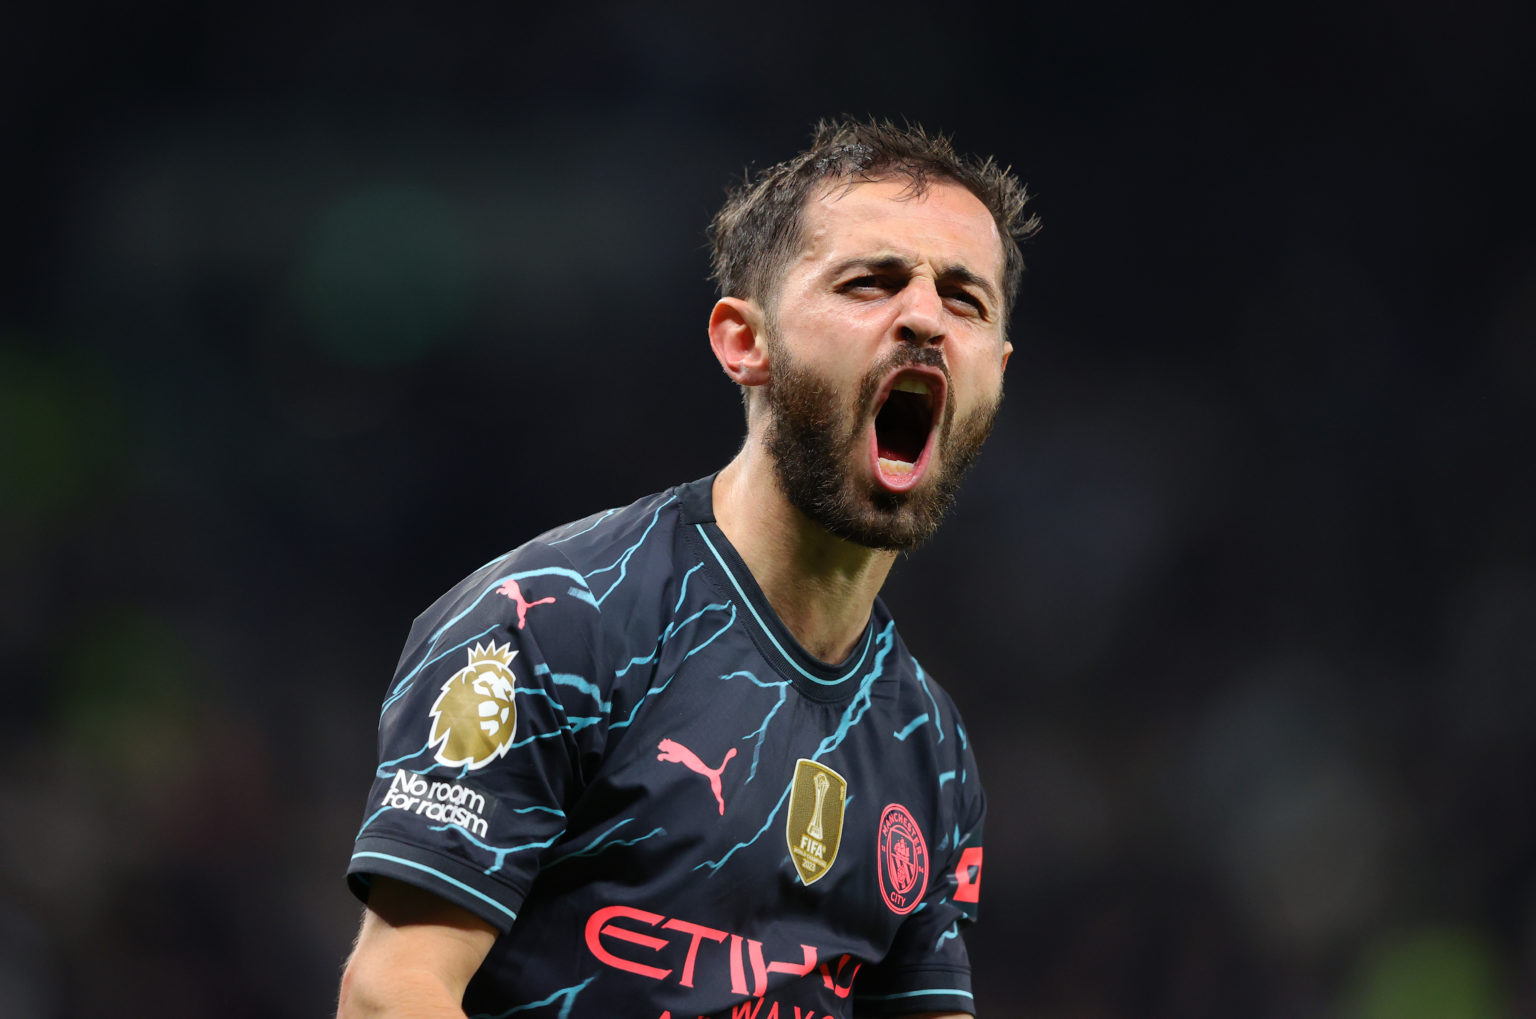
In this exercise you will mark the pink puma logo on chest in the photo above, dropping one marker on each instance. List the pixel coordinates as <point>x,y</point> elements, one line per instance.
<point>672,750</point>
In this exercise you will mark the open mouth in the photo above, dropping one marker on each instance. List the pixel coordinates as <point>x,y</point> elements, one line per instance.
<point>903,426</point>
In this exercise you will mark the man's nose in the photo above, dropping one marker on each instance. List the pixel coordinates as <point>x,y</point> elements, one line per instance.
<point>921,320</point>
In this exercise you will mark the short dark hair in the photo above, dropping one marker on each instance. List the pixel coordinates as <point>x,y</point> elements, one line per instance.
<point>757,232</point>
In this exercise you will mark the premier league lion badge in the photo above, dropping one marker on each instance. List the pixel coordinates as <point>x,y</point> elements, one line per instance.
<point>474,717</point>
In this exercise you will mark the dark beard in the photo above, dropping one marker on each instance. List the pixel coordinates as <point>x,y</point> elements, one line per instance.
<point>814,447</point>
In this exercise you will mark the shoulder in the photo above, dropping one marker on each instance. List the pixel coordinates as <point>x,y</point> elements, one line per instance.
<point>933,726</point>
<point>913,680</point>
<point>565,580</point>
<point>578,553</point>
<point>604,540</point>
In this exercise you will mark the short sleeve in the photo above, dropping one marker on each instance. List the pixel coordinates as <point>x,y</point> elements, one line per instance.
<point>489,726</point>
<point>927,968</point>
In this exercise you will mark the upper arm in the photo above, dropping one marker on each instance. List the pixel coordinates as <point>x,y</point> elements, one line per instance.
<point>414,950</point>
<point>496,714</point>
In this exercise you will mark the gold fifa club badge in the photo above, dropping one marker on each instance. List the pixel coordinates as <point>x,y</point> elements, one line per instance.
<point>815,826</point>
<point>473,717</point>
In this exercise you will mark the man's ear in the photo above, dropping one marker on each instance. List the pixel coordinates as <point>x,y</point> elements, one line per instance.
<point>737,337</point>
<point>1007,353</point>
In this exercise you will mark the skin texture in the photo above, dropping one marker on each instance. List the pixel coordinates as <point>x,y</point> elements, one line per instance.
<point>414,956</point>
<point>882,274</point>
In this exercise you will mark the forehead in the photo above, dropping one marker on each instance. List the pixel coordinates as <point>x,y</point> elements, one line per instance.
<point>945,225</point>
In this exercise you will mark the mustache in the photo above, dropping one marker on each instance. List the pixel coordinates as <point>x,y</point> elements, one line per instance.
<point>906,357</point>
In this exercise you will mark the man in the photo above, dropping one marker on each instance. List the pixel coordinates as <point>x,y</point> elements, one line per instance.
<point>673,760</point>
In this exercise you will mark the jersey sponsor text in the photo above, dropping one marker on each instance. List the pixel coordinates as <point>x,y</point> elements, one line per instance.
<point>611,925</point>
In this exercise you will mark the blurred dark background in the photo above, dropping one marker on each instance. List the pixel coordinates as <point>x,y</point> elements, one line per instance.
<point>306,311</point>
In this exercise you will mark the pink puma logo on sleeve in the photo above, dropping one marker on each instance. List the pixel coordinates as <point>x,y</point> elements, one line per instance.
<point>511,590</point>
<point>672,750</point>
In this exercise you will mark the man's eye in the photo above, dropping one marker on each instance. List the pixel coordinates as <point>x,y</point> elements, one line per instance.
<point>969,299</point>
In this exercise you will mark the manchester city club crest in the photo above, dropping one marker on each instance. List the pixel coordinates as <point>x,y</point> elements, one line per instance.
<point>903,859</point>
<point>815,826</point>
<point>474,717</point>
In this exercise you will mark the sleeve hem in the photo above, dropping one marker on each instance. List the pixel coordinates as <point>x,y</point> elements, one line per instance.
<point>925,989</point>
<point>451,879</point>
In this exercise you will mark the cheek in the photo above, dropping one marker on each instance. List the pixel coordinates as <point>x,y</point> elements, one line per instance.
<point>981,367</point>
<point>835,348</point>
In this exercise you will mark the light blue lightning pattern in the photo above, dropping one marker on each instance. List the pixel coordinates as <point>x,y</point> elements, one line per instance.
<point>501,854</point>
<point>568,994</point>
<point>597,845</point>
<point>403,687</point>
<point>409,679</point>
<point>668,633</point>
<point>635,711</point>
<point>715,865</point>
<point>915,994</point>
<point>674,625</point>
<point>700,647</point>
<point>384,766</point>
<point>622,562</point>
<point>922,678</point>
<point>602,842</point>
<point>571,680</point>
<point>539,809</point>
<point>371,818</point>
<point>953,932</point>
<point>761,732</point>
<point>604,515</point>
<point>860,703</point>
<point>852,715</point>
<point>551,734</point>
<point>569,723</point>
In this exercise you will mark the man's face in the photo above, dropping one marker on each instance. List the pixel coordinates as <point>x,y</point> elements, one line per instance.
<point>886,358</point>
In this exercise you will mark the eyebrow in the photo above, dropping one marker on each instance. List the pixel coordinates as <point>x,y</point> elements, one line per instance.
<point>895,263</point>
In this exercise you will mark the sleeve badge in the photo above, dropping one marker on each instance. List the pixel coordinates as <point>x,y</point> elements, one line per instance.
<point>474,717</point>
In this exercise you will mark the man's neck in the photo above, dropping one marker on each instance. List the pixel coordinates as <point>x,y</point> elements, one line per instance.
<point>821,586</point>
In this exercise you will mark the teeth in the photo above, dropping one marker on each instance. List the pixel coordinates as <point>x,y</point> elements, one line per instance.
<point>895,466</point>
<point>912,384</point>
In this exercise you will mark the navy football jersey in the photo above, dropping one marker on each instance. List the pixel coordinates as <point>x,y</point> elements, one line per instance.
<point>608,746</point>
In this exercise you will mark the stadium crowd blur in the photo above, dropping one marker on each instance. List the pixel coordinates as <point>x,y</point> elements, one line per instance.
<point>308,312</point>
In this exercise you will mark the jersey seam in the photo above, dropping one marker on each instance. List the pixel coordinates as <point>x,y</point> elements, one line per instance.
<point>416,850</point>
<point>599,667</point>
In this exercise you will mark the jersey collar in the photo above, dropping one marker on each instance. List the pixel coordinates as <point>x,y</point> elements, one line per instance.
<point>812,676</point>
